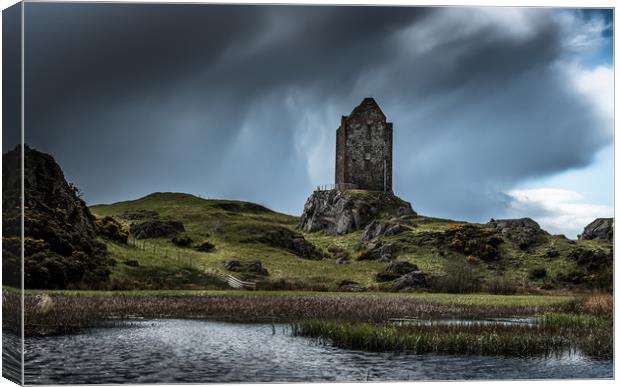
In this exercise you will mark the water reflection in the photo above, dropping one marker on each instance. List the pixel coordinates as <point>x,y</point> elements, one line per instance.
<point>169,351</point>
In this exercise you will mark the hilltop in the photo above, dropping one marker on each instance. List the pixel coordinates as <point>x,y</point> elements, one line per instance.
<point>498,256</point>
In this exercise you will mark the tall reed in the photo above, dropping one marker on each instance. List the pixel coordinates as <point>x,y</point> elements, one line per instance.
<point>548,338</point>
<point>66,313</point>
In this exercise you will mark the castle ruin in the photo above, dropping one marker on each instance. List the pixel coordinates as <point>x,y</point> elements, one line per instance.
<point>364,149</point>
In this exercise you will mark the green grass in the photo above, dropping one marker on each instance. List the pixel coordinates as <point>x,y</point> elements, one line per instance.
<point>228,223</point>
<point>226,227</point>
<point>424,298</point>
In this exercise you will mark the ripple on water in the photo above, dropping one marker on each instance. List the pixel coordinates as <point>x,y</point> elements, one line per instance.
<point>168,351</point>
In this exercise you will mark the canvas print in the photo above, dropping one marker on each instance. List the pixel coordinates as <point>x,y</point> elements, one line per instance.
<point>204,193</point>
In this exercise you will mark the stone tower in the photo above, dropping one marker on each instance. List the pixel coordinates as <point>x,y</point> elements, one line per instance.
<point>364,149</point>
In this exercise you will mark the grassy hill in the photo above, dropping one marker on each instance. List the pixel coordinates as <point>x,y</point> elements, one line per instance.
<point>245,232</point>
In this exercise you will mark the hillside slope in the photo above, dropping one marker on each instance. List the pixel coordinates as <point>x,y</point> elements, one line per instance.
<point>498,256</point>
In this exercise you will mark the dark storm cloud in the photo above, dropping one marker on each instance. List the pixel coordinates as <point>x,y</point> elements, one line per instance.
<point>11,77</point>
<point>243,101</point>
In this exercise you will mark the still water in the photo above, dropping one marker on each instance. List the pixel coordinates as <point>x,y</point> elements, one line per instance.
<point>173,351</point>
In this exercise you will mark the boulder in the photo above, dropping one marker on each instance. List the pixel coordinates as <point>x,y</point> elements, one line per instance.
<point>204,246</point>
<point>156,229</point>
<point>282,237</point>
<point>385,276</point>
<point>376,250</point>
<point>395,270</point>
<point>257,268</point>
<point>395,229</point>
<point>338,212</point>
<point>524,232</point>
<point>600,229</point>
<point>377,228</point>
<point>350,286</point>
<point>401,267</point>
<point>343,261</point>
<point>232,265</point>
<point>373,230</point>
<point>411,281</point>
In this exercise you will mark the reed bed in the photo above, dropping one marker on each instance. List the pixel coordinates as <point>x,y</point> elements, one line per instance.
<point>556,334</point>
<point>594,303</point>
<point>64,313</point>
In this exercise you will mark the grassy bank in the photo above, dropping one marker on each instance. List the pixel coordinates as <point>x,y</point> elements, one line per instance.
<point>54,312</point>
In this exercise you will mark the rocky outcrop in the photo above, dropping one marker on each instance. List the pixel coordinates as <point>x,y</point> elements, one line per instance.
<point>401,267</point>
<point>338,212</point>
<point>412,281</point>
<point>350,286</point>
<point>600,229</point>
<point>524,232</point>
<point>377,250</point>
<point>282,237</point>
<point>60,248</point>
<point>156,229</point>
<point>395,269</point>
<point>254,267</point>
<point>377,228</point>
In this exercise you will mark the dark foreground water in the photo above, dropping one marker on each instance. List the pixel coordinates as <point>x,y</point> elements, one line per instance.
<point>169,351</point>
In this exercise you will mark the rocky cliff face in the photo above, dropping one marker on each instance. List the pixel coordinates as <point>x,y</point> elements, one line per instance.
<point>60,246</point>
<point>339,212</point>
<point>600,229</point>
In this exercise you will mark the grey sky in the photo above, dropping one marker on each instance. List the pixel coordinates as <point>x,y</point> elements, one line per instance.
<point>243,102</point>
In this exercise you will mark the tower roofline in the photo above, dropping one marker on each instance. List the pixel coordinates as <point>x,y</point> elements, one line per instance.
<point>368,104</point>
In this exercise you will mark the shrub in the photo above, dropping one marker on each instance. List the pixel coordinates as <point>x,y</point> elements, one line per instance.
<point>338,252</point>
<point>501,285</point>
<point>591,260</point>
<point>472,259</point>
<point>459,277</point>
<point>474,240</point>
<point>552,253</point>
<point>49,270</point>
<point>110,228</point>
<point>205,246</point>
<point>364,255</point>
<point>132,262</point>
<point>11,261</point>
<point>182,241</point>
<point>537,273</point>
